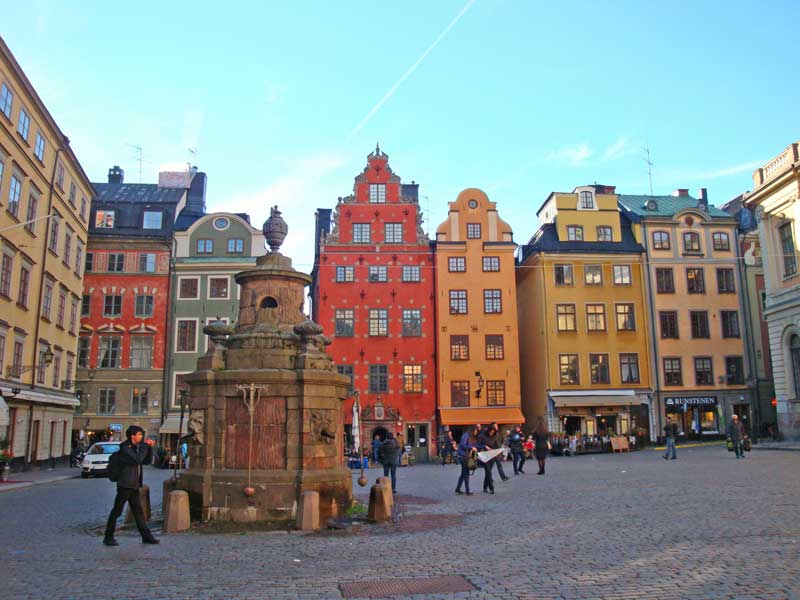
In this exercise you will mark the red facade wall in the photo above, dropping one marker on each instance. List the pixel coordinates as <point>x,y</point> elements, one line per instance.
<point>157,284</point>
<point>394,350</point>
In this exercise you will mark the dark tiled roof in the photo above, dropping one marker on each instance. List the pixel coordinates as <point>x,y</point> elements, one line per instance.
<point>546,240</point>
<point>185,220</point>
<point>147,193</point>
<point>666,206</point>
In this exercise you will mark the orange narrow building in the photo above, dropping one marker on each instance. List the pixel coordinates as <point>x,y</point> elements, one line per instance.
<point>477,341</point>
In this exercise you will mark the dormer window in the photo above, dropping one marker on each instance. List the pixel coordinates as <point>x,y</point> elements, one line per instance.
<point>574,233</point>
<point>586,200</point>
<point>104,219</point>
<point>152,219</point>
<point>604,233</point>
<point>377,193</point>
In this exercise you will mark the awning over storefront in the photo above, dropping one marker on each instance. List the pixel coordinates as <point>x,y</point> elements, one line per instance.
<point>171,423</point>
<point>617,398</point>
<point>4,418</point>
<point>473,416</point>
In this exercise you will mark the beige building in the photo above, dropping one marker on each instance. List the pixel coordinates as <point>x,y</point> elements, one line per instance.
<point>44,204</point>
<point>774,199</point>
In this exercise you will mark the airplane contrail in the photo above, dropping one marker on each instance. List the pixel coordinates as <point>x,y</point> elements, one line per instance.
<point>411,69</point>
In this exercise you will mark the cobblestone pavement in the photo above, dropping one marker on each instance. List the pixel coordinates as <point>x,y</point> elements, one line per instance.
<point>623,526</point>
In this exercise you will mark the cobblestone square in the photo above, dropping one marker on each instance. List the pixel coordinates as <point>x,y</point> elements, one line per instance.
<point>605,526</point>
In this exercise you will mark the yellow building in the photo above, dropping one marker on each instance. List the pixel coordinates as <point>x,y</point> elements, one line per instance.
<point>477,342</point>
<point>584,339</point>
<point>698,325</point>
<point>44,206</point>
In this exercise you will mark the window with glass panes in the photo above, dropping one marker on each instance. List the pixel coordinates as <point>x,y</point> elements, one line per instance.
<point>626,319</point>
<point>147,263</point>
<point>24,286</point>
<point>725,281</point>
<point>347,371</point>
<point>14,188</point>
<point>563,274</point>
<point>622,275</point>
<point>721,241</point>
<point>665,282</point>
<point>6,100</point>
<point>788,249</point>
<point>604,233</point>
<point>104,219</point>
<point>494,347</point>
<point>187,335</point>
<point>491,263</point>
<point>492,301</point>
<point>344,322</point>
<point>586,200</point>
<point>595,317</point>
<point>235,246</point>
<point>703,370</point>
<point>412,379</point>
<point>47,300</point>
<point>218,287</point>
<point>378,322</point>
<point>62,309</point>
<point>24,124</point>
<point>139,397</point>
<point>83,352</point>
<point>78,258</point>
<point>456,264</point>
<point>141,352</point>
<point>73,316</point>
<point>568,368</point>
<point>593,275</point>
<point>377,274</point>
<point>116,262</point>
<point>152,219</point>
<point>345,274</point>
<point>377,193</point>
<point>188,288</point>
<point>86,304</point>
<point>361,233</point>
<point>669,324</point>
<point>109,353</point>
<point>56,375</point>
<point>411,273</point>
<point>89,262</point>
<point>41,368</point>
<point>107,401</point>
<point>112,305</point>
<point>661,240</point>
<point>393,233</point>
<point>730,324</point>
<point>629,368</point>
<point>6,266</point>
<point>672,371</point>
<point>734,370</point>
<point>459,347</point>
<point>205,246</point>
<point>412,322</point>
<point>38,150</point>
<point>495,392</point>
<point>565,317</point>
<point>30,218</point>
<point>144,305</point>
<point>458,302</point>
<point>16,358</point>
<point>699,323</point>
<point>66,255</point>
<point>598,368</point>
<point>459,393</point>
<point>574,233</point>
<point>378,379</point>
<point>473,231</point>
<point>695,282</point>
<point>691,242</point>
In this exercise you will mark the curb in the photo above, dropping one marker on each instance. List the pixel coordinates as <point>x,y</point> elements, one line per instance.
<point>698,445</point>
<point>10,487</point>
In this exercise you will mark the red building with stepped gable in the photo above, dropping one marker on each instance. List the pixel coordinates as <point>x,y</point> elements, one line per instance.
<point>373,293</point>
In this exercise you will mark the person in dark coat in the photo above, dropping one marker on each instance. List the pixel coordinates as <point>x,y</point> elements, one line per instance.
<point>467,447</point>
<point>486,439</point>
<point>497,442</point>
<point>134,452</point>
<point>376,449</point>
<point>449,448</point>
<point>515,442</point>
<point>540,445</point>
<point>390,458</point>
<point>736,434</point>
<point>670,432</point>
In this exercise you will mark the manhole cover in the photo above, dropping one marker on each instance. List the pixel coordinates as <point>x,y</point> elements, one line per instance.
<point>382,588</point>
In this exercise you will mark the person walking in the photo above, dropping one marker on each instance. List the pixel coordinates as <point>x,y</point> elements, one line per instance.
<point>390,458</point>
<point>485,441</point>
<point>133,453</point>
<point>736,434</point>
<point>497,443</point>
<point>670,432</point>
<point>449,448</point>
<point>467,446</point>
<point>376,449</point>
<point>540,445</point>
<point>515,442</point>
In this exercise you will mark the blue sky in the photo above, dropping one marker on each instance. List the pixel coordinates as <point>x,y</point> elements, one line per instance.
<point>283,101</point>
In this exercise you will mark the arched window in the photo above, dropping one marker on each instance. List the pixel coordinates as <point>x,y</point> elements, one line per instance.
<point>660,240</point>
<point>794,349</point>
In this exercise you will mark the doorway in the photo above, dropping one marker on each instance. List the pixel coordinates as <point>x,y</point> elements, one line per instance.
<point>743,412</point>
<point>607,425</point>
<point>34,452</point>
<point>417,438</point>
<point>572,425</point>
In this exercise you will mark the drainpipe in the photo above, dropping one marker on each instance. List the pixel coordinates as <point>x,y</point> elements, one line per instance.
<point>749,343</point>
<point>165,390</point>
<point>436,416</point>
<point>29,438</point>
<point>656,372</point>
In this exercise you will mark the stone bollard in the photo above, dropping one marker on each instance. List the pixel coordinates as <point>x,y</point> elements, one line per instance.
<point>386,484</point>
<point>176,517</point>
<point>168,486</point>
<point>379,504</point>
<point>144,502</point>
<point>308,515</point>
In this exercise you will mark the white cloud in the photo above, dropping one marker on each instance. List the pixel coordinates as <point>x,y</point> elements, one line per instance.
<point>616,150</point>
<point>723,172</point>
<point>572,156</point>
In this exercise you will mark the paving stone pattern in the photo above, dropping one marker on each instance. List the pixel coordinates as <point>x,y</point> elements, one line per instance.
<point>623,526</point>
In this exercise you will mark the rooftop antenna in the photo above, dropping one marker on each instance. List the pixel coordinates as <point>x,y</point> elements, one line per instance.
<point>192,156</point>
<point>138,158</point>
<point>649,163</point>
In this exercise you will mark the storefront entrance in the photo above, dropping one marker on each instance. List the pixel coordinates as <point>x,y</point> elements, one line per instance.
<point>572,426</point>
<point>696,416</point>
<point>606,425</point>
<point>417,438</point>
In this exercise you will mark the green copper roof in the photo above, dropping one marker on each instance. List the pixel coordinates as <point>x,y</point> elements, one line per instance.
<point>666,206</point>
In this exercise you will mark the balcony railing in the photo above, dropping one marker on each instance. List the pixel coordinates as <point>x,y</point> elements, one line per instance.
<point>778,165</point>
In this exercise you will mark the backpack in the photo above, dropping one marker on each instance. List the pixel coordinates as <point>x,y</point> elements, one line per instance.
<point>388,450</point>
<point>114,467</point>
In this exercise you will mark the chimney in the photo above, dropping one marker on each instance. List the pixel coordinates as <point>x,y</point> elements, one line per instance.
<point>681,192</point>
<point>605,189</point>
<point>702,195</point>
<point>116,175</point>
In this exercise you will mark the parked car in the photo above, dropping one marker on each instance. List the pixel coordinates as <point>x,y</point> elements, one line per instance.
<point>96,460</point>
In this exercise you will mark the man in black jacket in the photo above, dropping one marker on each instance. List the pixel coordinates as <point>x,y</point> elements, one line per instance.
<point>133,454</point>
<point>497,443</point>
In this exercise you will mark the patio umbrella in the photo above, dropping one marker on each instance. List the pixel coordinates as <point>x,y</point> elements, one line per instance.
<point>356,427</point>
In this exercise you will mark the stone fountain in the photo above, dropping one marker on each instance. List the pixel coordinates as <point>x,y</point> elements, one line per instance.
<point>266,412</point>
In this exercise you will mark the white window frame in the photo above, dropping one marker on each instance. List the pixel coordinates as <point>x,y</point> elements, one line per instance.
<point>377,193</point>
<point>38,149</point>
<point>174,401</point>
<point>181,278</point>
<point>177,335</point>
<point>23,123</point>
<point>160,215</point>
<point>208,287</point>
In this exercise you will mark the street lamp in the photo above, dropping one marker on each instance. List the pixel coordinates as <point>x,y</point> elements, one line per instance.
<point>480,384</point>
<point>17,370</point>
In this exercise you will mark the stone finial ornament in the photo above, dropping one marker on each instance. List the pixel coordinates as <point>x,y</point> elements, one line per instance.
<point>275,229</point>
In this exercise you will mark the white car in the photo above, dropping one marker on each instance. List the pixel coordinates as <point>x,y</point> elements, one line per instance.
<point>96,460</point>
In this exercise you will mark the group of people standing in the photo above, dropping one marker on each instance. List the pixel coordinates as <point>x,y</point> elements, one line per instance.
<point>479,439</point>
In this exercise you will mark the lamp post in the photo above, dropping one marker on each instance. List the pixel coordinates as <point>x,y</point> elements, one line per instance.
<point>182,394</point>
<point>480,384</point>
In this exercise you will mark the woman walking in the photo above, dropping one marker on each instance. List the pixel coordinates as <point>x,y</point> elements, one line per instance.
<point>540,445</point>
<point>466,449</point>
<point>390,457</point>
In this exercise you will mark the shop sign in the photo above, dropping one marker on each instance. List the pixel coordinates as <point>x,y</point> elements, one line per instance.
<point>691,401</point>
<point>115,427</point>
